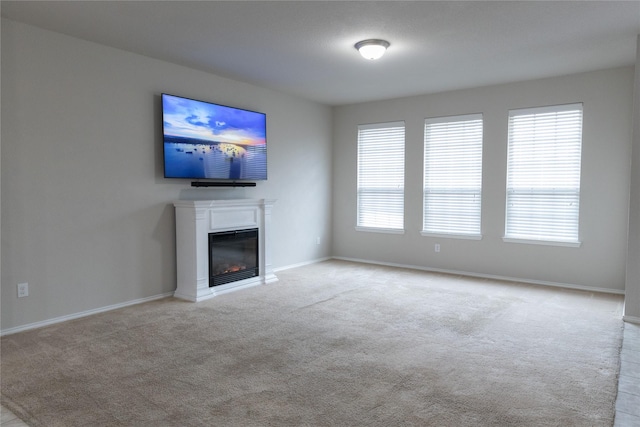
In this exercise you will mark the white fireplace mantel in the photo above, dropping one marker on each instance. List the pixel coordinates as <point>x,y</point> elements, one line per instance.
<point>195,220</point>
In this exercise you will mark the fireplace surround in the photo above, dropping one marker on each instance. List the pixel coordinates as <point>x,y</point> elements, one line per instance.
<point>196,221</point>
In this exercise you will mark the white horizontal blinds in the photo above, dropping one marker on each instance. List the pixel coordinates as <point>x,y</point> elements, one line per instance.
<point>381,176</point>
<point>543,173</point>
<point>452,175</point>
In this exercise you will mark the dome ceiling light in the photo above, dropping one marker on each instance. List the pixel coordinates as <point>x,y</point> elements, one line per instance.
<point>372,48</point>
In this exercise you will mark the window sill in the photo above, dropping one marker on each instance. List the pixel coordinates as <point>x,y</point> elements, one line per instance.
<point>380,230</point>
<point>542,242</point>
<point>452,236</point>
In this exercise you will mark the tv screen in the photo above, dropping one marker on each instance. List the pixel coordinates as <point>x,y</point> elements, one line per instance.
<point>211,141</point>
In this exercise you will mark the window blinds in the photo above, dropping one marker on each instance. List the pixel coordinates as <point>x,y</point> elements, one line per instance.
<point>381,176</point>
<point>543,173</point>
<point>453,175</point>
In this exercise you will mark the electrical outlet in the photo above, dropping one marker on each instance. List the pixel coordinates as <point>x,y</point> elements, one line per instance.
<point>23,290</point>
<point>318,240</point>
<point>437,247</point>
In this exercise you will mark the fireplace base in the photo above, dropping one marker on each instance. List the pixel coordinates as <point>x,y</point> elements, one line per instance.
<point>195,220</point>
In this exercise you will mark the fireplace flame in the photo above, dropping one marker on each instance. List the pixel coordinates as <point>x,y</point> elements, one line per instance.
<point>229,268</point>
<point>234,268</point>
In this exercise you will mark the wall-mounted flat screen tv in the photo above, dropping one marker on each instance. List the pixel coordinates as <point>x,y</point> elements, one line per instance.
<point>210,141</point>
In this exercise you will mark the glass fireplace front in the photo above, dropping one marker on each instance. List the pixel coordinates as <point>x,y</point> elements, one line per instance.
<point>233,255</point>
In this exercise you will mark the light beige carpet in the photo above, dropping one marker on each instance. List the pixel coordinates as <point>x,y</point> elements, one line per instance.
<point>330,344</point>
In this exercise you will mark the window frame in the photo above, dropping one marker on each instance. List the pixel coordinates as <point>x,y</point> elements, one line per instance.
<point>569,154</point>
<point>463,139</point>
<point>372,175</point>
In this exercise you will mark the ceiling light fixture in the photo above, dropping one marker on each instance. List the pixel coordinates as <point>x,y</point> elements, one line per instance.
<point>372,48</point>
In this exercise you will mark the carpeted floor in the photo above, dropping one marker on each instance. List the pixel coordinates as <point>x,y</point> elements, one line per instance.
<point>330,344</point>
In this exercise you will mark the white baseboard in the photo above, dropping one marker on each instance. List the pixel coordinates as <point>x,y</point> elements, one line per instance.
<point>300,264</point>
<point>81,314</point>
<point>631,319</point>
<point>488,276</point>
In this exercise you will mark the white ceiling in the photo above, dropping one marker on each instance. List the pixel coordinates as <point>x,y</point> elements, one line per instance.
<point>305,48</point>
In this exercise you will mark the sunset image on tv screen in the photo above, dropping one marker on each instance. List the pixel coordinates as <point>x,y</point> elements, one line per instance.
<point>205,140</point>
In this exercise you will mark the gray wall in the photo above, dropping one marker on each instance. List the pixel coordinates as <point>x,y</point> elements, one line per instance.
<point>87,217</point>
<point>632,291</point>
<point>600,261</point>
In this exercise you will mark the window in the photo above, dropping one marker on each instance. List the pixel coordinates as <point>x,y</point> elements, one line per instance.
<point>453,176</point>
<point>381,177</point>
<point>543,174</point>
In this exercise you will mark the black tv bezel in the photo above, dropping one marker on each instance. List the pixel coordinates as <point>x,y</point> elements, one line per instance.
<point>214,182</point>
